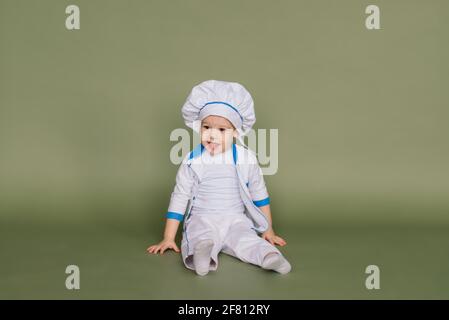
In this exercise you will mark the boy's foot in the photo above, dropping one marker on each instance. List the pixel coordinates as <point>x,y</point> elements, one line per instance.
<point>275,261</point>
<point>201,256</point>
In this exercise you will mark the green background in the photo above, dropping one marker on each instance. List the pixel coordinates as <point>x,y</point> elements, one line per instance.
<point>85,119</point>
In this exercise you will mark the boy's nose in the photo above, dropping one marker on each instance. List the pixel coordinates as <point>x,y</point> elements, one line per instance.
<point>214,134</point>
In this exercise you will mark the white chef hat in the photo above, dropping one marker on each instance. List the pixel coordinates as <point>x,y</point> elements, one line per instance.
<point>220,98</point>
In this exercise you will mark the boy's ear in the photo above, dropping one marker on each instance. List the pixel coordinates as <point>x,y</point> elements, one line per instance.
<point>235,133</point>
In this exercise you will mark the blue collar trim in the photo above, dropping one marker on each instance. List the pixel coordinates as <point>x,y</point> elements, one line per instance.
<point>200,148</point>
<point>197,151</point>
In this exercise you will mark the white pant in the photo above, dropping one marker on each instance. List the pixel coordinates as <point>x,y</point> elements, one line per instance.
<point>231,233</point>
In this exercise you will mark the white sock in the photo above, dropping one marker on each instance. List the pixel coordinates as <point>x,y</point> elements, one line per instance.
<point>201,256</point>
<point>275,261</point>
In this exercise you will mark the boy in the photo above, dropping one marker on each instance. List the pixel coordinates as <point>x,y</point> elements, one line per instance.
<point>229,202</point>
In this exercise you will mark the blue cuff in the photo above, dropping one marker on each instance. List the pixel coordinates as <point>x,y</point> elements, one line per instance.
<point>174,215</point>
<point>263,202</point>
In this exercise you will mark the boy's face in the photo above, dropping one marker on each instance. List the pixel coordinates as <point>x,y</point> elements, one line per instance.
<point>217,134</point>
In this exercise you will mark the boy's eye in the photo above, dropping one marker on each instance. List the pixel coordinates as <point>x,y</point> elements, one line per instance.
<point>206,127</point>
<point>222,129</point>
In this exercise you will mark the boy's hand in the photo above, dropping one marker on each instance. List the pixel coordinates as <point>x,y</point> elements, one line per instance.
<point>162,246</point>
<point>272,238</point>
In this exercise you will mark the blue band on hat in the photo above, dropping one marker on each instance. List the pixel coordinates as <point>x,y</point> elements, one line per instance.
<point>226,104</point>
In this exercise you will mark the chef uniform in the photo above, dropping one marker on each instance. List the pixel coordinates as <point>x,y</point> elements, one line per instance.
<point>222,192</point>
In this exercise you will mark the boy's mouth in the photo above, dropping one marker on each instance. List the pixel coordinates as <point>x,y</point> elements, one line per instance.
<point>212,145</point>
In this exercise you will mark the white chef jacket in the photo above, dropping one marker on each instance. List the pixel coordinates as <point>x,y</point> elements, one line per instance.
<point>252,186</point>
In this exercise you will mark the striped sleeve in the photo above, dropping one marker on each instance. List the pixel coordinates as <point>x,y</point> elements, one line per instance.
<point>257,187</point>
<point>181,194</point>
